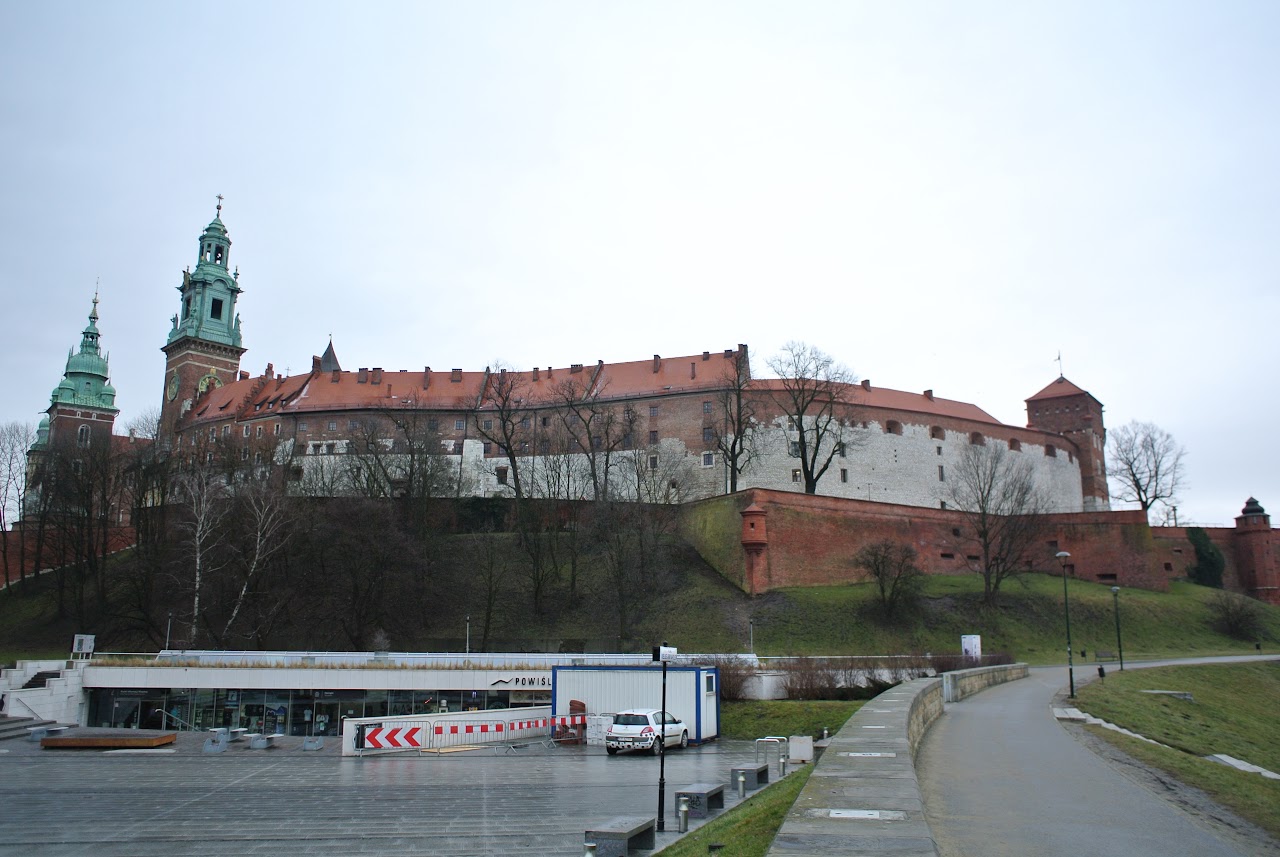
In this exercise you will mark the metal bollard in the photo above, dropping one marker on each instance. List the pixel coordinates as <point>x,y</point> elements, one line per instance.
<point>825,733</point>
<point>782,766</point>
<point>589,849</point>
<point>742,785</point>
<point>683,812</point>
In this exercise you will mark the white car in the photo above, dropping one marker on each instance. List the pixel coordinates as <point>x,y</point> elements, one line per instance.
<point>639,729</point>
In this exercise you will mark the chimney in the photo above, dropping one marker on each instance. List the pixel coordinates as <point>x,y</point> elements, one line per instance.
<point>866,383</point>
<point>693,369</point>
<point>362,377</point>
<point>455,376</point>
<point>315,363</point>
<point>270,370</point>
<point>376,378</point>
<point>706,355</point>
<point>426,378</point>
<point>535,373</point>
<point>728,353</point>
<point>574,368</point>
<point>548,373</point>
<point>335,376</point>
<point>928,394</point>
<point>244,374</point>
<point>657,363</point>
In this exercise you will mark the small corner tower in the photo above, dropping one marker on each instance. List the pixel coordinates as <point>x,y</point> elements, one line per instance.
<point>204,347</point>
<point>1257,558</point>
<point>1065,409</point>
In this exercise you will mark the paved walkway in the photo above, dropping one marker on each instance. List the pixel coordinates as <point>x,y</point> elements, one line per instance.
<point>1001,777</point>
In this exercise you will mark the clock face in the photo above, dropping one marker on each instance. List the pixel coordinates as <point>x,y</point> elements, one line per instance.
<point>209,382</point>
<point>172,392</point>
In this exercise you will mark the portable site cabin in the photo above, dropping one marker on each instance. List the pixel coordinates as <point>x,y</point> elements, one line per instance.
<point>693,695</point>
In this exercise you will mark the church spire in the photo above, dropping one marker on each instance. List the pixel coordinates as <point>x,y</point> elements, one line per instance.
<point>209,293</point>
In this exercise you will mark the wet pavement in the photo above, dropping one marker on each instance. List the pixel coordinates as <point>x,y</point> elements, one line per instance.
<point>178,799</point>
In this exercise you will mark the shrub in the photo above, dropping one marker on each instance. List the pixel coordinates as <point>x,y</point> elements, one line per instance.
<point>1209,564</point>
<point>735,672</point>
<point>1237,616</point>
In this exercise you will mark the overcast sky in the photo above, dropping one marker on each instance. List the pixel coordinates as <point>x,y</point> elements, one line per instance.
<point>942,195</point>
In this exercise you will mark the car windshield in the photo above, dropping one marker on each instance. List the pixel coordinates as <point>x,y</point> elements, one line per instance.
<point>631,720</point>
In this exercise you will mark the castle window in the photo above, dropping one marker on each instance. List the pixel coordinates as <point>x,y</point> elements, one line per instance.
<point>793,449</point>
<point>82,437</point>
<point>708,459</point>
<point>939,450</point>
<point>244,453</point>
<point>893,427</point>
<point>459,425</point>
<point>329,448</point>
<point>213,433</point>
<point>844,474</point>
<point>544,446</point>
<point>524,446</point>
<point>653,438</point>
<point>524,423</point>
<point>942,474</point>
<point>628,440</point>
<point>302,426</point>
<point>226,430</point>
<point>942,504</point>
<point>352,425</point>
<point>277,429</point>
<point>947,555</point>
<point>1050,451</point>
<point>1071,456</point>
<point>937,433</point>
<point>501,473</point>
<point>333,425</point>
<point>597,442</point>
<point>795,474</point>
<point>259,431</point>
<point>708,434</point>
<point>1015,445</point>
<point>653,410</point>
<point>433,424</point>
<point>706,407</point>
<point>257,457</point>
<point>653,462</point>
<point>976,439</point>
<point>488,425</point>
<point>546,421</point>
<point>840,448</point>
<point>246,431</point>
<point>488,447</point>
<point>215,309</point>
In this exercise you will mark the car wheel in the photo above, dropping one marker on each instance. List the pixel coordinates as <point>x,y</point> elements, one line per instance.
<point>656,749</point>
<point>612,751</point>
<point>684,739</point>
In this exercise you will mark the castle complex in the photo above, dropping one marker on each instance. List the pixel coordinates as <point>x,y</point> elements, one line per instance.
<point>658,430</point>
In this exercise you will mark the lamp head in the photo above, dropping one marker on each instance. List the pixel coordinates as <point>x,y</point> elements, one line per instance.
<point>1115,590</point>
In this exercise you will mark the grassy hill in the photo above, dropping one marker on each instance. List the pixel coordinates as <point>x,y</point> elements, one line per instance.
<point>693,608</point>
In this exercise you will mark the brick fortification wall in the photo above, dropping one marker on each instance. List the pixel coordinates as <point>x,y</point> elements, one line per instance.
<point>812,541</point>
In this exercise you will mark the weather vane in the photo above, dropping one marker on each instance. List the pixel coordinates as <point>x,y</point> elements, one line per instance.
<point>1059,361</point>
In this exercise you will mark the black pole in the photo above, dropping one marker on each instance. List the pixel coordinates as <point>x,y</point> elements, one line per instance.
<point>662,755</point>
<point>1115,593</point>
<point>1066,607</point>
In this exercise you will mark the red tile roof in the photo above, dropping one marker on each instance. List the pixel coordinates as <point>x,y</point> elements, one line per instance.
<point>879,397</point>
<point>1059,388</point>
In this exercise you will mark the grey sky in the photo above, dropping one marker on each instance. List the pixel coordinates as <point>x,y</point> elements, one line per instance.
<point>941,195</point>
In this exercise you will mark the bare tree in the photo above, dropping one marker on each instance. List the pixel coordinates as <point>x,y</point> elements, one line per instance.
<point>264,532</point>
<point>737,406</point>
<point>996,492</point>
<point>203,493</point>
<point>1145,465</point>
<point>15,439</point>
<point>892,566</point>
<point>503,417</point>
<point>596,428</point>
<point>814,396</point>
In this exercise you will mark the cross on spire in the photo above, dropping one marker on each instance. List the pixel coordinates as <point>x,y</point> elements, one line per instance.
<point>1059,362</point>
<point>219,205</point>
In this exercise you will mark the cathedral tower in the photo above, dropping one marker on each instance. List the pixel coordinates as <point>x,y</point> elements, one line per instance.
<point>203,349</point>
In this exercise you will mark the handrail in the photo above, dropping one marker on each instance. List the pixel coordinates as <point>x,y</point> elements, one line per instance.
<point>163,714</point>
<point>11,698</point>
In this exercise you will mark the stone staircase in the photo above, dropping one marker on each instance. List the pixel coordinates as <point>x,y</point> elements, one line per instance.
<point>18,727</point>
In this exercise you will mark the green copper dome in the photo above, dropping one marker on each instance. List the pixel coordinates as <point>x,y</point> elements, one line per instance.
<point>86,380</point>
<point>209,293</point>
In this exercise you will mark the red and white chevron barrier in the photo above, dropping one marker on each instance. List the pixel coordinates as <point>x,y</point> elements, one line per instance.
<point>468,728</point>
<point>393,738</point>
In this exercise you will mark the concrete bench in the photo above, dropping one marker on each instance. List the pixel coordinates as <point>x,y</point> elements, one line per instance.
<point>617,836</point>
<point>703,797</point>
<point>35,733</point>
<point>238,733</point>
<point>757,775</point>
<point>1104,655</point>
<point>313,742</point>
<point>259,741</point>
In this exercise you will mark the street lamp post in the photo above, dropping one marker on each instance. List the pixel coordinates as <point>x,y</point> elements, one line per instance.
<point>751,631</point>
<point>1115,597</point>
<point>1063,556</point>
<point>468,633</point>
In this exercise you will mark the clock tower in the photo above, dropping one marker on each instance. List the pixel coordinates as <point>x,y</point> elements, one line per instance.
<point>203,349</point>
